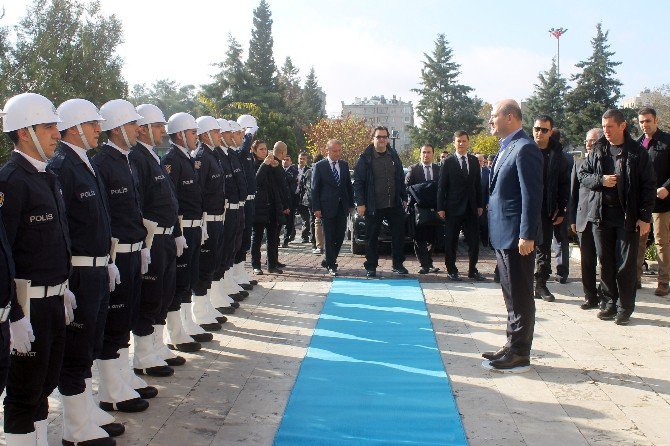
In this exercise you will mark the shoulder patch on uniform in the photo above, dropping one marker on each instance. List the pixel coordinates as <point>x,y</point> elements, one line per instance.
<point>197,164</point>
<point>168,168</point>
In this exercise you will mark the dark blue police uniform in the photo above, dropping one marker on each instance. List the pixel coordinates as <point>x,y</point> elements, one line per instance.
<point>7,299</point>
<point>247,161</point>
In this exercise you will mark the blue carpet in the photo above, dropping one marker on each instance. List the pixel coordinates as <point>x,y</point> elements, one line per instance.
<point>373,374</point>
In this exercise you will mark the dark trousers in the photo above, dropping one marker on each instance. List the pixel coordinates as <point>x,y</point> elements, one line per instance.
<point>124,305</point>
<point>228,251</point>
<point>307,223</point>
<point>373,225</point>
<point>484,227</point>
<point>241,255</point>
<point>34,375</point>
<point>272,237</point>
<point>543,250</point>
<point>617,253</point>
<point>334,229</point>
<point>210,258</point>
<point>452,227</point>
<point>561,248</point>
<point>84,335</point>
<point>424,244</point>
<point>188,268</point>
<point>289,226</point>
<point>239,237</point>
<point>587,248</point>
<point>4,354</point>
<point>516,280</point>
<point>158,285</point>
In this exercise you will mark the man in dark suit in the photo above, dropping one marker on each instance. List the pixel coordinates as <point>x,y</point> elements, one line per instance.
<point>292,173</point>
<point>332,198</point>
<point>459,202</point>
<point>424,238</point>
<point>484,218</point>
<point>515,204</point>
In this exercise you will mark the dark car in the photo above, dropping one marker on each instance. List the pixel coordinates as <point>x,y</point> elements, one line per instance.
<point>356,234</point>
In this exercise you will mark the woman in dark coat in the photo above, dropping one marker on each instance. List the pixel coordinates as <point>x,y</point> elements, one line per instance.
<point>271,204</point>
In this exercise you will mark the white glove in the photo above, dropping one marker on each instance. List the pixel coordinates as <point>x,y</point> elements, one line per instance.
<point>114,276</point>
<point>251,130</point>
<point>146,260</point>
<point>205,235</point>
<point>180,242</point>
<point>21,335</point>
<point>70,303</point>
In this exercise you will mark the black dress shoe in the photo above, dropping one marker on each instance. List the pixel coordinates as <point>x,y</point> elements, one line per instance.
<point>510,360</point>
<point>202,337</point>
<point>638,285</point>
<point>245,286</point>
<point>214,326</point>
<point>237,297</point>
<point>243,293</point>
<point>476,275</point>
<point>281,265</point>
<point>275,271</point>
<point>254,282</point>
<point>160,371</point>
<point>129,406</point>
<point>542,292</point>
<point>434,270</point>
<point>562,279</point>
<point>235,305</point>
<point>400,270</point>
<point>495,355</point>
<point>114,429</point>
<point>588,305</point>
<point>103,441</point>
<point>285,244</point>
<point>258,271</point>
<point>221,319</point>
<point>332,272</point>
<point>454,277</point>
<point>176,361</point>
<point>324,264</point>
<point>622,318</point>
<point>370,273</point>
<point>607,314</point>
<point>304,240</point>
<point>224,310</point>
<point>186,347</point>
<point>148,392</point>
<point>424,270</point>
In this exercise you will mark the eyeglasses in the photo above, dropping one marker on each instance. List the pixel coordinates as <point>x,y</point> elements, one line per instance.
<point>381,137</point>
<point>541,129</point>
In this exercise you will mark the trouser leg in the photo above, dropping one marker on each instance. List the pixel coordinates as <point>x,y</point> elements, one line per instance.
<point>606,246</point>
<point>588,264</point>
<point>208,261</point>
<point>272,244</point>
<point>307,223</point>
<point>373,224</point>
<point>543,251</point>
<point>471,231</point>
<point>4,354</point>
<point>662,240</point>
<point>187,269</point>
<point>158,286</point>
<point>625,276</point>
<point>256,242</point>
<point>641,249</point>
<point>561,248</point>
<point>397,223</point>
<point>451,229</point>
<point>424,241</point>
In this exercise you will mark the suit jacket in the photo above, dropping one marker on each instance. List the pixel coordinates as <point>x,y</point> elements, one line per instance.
<point>579,196</point>
<point>417,174</point>
<point>326,194</point>
<point>485,180</point>
<point>291,173</point>
<point>459,192</point>
<point>515,200</point>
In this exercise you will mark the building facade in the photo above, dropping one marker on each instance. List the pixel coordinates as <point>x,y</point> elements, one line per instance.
<point>393,113</point>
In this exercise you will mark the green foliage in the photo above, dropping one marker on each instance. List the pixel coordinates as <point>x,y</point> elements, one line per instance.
<point>261,63</point>
<point>167,95</point>
<point>232,82</point>
<point>548,98</point>
<point>410,156</point>
<point>351,131</point>
<point>445,106</point>
<point>289,83</point>
<point>276,126</point>
<point>311,103</point>
<point>484,143</point>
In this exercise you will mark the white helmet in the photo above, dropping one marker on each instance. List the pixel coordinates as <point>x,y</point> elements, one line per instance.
<point>225,125</point>
<point>26,110</point>
<point>247,121</point>
<point>74,112</point>
<point>207,123</point>
<point>179,122</point>
<point>150,115</point>
<point>236,127</point>
<point>116,113</point>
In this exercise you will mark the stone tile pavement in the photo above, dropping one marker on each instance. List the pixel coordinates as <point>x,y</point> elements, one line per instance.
<point>592,382</point>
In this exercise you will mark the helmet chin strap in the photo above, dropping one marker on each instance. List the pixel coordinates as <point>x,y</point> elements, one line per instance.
<point>211,140</point>
<point>38,146</point>
<point>151,135</point>
<point>125,138</point>
<point>87,146</point>
<point>183,140</point>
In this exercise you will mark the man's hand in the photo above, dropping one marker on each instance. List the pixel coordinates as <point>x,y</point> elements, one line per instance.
<point>609,180</point>
<point>526,246</point>
<point>287,211</point>
<point>480,211</point>
<point>442,214</point>
<point>317,214</point>
<point>574,228</point>
<point>558,220</point>
<point>361,210</point>
<point>269,160</point>
<point>251,130</point>
<point>644,227</point>
<point>662,193</point>
<point>404,205</point>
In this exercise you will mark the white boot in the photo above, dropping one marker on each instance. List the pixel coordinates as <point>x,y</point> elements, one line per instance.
<point>126,371</point>
<point>218,295</point>
<point>202,310</point>
<point>41,433</point>
<point>113,388</point>
<point>232,285</point>
<point>238,274</point>
<point>78,426</point>
<point>145,355</point>
<point>29,439</point>
<point>99,416</point>
<point>190,327</point>
<point>179,339</point>
<point>161,350</point>
<point>243,275</point>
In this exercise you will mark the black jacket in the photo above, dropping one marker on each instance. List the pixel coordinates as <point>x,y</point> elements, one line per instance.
<point>272,195</point>
<point>417,174</point>
<point>557,181</point>
<point>659,152</point>
<point>458,193</point>
<point>364,180</point>
<point>636,190</point>
<point>578,203</point>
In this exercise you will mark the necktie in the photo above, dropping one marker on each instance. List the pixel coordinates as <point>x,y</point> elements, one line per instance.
<point>464,166</point>
<point>428,176</point>
<point>335,174</point>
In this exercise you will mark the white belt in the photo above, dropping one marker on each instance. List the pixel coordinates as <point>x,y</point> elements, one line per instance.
<point>214,218</point>
<point>233,206</point>
<point>89,261</point>
<point>250,197</point>
<point>191,223</point>
<point>241,203</point>
<point>163,231</point>
<point>38,292</point>
<point>4,312</point>
<point>123,248</point>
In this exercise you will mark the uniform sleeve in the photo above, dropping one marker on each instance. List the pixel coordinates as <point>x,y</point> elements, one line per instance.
<point>563,187</point>
<point>13,197</point>
<point>360,177</point>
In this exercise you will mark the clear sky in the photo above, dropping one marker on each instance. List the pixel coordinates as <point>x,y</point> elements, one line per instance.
<point>362,48</point>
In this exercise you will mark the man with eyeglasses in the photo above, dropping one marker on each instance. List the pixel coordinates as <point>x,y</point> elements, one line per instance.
<point>555,193</point>
<point>657,143</point>
<point>577,210</point>
<point>380,193</point>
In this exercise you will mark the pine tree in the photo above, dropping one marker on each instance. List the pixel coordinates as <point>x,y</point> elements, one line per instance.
<point>596,89</point>
<point>445,106</point>
<point>261,63</point>
<point>289,83</point>
<point>548,97</point>
<point>311,101</point>
<point>232,82</point>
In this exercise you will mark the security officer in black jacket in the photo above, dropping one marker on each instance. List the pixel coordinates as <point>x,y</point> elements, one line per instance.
<point>120,389</point>
<point>36,227</point>
<point>160,211</point>
<point>93,276</point>
<point>622,186</point>
<point>554,202</point>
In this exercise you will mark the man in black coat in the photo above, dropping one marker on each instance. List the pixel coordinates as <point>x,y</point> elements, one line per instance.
<point>555,192</point>
<point>425,236</point>
<point>622,186</point>
<point>484,219</point>
<point>459,202</point>
<point>332,197</point>
<point>292,178</point>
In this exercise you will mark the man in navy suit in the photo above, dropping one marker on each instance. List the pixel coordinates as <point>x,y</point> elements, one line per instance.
<point>484,218</point>
<point>332,199</point>
<point>515,204</point>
